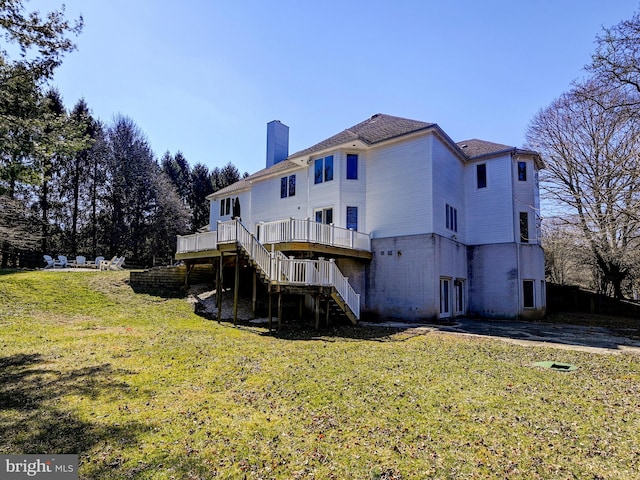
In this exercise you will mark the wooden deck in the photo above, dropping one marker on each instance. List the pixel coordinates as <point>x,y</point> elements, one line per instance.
<point>319,278</point>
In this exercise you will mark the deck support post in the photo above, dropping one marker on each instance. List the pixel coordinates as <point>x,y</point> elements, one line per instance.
<point>279,310</point>
<point>236,288</point>
<point>300,308</point>
<point>269,314</point>
<point>254,294</point>
<point>219,288</point>
<point>317,310</point>
<point>186,277</point>
<point>327,312</point>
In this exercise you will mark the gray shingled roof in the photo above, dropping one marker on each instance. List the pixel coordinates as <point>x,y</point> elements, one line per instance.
<point>246,182</point>
<point>377,128</point>
<point>477,148</point>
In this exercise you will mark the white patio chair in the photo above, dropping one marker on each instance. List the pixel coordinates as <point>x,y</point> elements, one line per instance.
<point>50,261</point>
<point>61,262</point>
<point>118,264</point>
<point>106,264</point>
<point>95,263</point>
<point>80,262</point>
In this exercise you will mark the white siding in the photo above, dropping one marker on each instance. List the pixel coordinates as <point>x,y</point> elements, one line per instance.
<point>267,204</point>
<point>448,189</point>
<point>245,208</point>
<point>399,188</point>
<point>489,211</point>
<point>525,198</point>
<point>352,192</point>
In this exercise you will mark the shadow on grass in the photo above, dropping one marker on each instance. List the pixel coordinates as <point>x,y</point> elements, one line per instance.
<point>572,336</point>
<point>34,418</point>
<point>337,331</point>
<point>162,292</point>
<point>9,271</point>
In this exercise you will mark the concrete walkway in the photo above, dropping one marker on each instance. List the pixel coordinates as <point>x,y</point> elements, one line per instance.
<point>564,336</point>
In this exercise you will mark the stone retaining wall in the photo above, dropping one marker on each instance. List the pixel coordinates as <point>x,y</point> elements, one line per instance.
<point>170,278</point>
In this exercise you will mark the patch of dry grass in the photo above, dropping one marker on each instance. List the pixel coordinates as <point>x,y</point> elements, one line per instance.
<point>141,387</point>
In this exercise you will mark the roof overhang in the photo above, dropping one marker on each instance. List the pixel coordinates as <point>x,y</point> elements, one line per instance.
<point>514,152</point>
<point>355,144</point>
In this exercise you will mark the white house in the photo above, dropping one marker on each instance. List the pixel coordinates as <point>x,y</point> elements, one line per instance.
<point>418,226</point>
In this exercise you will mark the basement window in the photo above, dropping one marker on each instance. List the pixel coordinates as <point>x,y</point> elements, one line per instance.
<point>528,293</point>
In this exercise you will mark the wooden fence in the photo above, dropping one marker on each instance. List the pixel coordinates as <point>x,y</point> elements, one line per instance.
<point>564,298</point>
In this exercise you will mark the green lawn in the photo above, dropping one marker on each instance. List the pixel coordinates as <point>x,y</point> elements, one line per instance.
<point>141,387</point>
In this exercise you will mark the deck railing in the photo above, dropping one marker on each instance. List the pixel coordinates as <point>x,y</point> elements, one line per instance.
<point>197,242</point>
<point>275,266</point>
<point>323,273</point>
<point>307,230</point>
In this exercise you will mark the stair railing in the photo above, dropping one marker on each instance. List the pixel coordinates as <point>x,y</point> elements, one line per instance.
<point>277,267</point>
<point>344,289</point>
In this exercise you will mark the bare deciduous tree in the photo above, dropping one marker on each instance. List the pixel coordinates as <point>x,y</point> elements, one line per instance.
<point>568,260</point>
<point>591,149</point>
<point>615,60</point>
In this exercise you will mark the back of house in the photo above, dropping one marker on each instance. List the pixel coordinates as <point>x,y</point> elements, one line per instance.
<point>422,227</point>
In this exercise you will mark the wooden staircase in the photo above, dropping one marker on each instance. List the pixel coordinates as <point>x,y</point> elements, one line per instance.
<point>342,307</point>
<point>320,278</point>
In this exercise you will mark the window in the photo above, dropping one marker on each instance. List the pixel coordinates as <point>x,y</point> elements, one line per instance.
<point>292,185</point>
<point>328,168</point>
<point>524,227</point>
<point>481,175</point>
<point>522,171</point>
<point>528,293</point>
<point>352,218</point>
<point>288,186</point>
<point>324,215</point>
<point>225,206</point>
<point>352,166</point>
<point>452,218</point>
<point>318,170</point>
<point>323,169</point>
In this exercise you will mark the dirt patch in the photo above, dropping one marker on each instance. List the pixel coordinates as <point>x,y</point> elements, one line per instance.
<point>205,305</point>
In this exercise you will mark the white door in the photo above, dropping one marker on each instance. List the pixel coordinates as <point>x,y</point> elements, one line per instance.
<point>445,297</point>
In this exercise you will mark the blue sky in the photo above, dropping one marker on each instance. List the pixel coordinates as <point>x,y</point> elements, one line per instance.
<point>205,76</point>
